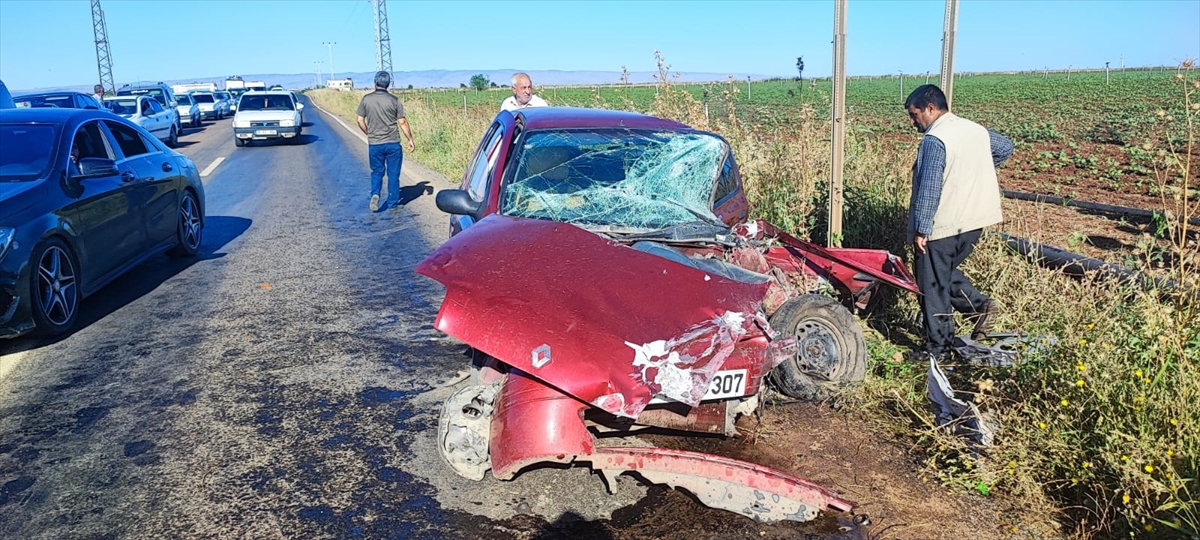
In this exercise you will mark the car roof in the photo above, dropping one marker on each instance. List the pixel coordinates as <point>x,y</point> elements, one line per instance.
<point>50,115</point>
<point>570,117</point>
<point>269,92</point>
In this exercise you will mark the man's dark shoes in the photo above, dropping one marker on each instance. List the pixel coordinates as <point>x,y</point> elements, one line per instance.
<point>984,320</point>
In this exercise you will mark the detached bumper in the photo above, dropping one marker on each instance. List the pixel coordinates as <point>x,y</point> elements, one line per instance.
<point>263,133</point>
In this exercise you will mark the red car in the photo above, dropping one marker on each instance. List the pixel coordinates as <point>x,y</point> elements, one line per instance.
<point>601,266</point>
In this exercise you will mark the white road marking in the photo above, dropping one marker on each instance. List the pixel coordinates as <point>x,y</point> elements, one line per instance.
<point>209,169</point>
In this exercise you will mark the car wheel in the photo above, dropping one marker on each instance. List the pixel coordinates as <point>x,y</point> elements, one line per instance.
<point>173,140</point>
<point>196,122</point>
<point>239,142</point>
<point>54,288</point>
<point>830,349</point>
<point>190,229</point>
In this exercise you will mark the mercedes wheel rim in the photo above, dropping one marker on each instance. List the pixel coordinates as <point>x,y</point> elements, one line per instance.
<point>190,220</point>
<point>56,284</point>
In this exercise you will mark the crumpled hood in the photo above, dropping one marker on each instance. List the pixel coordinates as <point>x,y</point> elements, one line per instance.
<point>608,324</point>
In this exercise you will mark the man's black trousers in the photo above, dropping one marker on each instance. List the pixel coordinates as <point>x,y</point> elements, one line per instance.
<point>944,289</point>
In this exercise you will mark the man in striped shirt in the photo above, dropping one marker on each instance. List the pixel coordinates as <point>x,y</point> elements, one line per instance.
<point>955,195</point>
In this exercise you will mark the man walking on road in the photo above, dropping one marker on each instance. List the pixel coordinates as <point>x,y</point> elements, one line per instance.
<point>523,96</point>
<point>954,196</point>
<point>378,114</point>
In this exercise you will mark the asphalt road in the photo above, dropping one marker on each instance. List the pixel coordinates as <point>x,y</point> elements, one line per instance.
<point>285,383</point>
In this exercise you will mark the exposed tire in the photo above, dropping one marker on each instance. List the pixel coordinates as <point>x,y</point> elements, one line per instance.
<point>830,349</point>
<point>54,288</point>
<point>239,142</point>
<point>190,230</point>
<point>173,140</point>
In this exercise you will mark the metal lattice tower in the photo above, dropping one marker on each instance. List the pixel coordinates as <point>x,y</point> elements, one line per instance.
<point>103,58</point>
<point>383,42</point>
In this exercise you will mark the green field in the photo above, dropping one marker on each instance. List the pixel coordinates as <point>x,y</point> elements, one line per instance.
<point>1101,430</point>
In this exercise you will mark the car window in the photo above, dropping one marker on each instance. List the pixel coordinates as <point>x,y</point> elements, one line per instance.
<point>86,101</point>
<point>483,164</point>
<point>37,102</point>
<point>154,106</point>
<point>184,100</point>
<point>128,139</point>
<point>124,107</point>
<point>614,178</point>
<point>29,151</point>
<point>726,183</point>
<point>91,142</point>
<point>203,98</point>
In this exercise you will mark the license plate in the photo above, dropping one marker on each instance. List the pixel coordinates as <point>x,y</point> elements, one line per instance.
<point>727,384</point>
<point>265,132</point>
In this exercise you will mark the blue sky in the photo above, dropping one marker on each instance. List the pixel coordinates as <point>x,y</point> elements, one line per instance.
<point>49,42</point>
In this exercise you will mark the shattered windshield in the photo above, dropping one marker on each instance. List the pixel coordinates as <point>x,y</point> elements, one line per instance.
<point>616,178</point>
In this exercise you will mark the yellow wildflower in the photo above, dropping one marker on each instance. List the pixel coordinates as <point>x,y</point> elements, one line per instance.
<point>1042,425</point>
<point>1125,498</point>
<point>1170,453</point>
<point>1081,367</point>
<point>1079,382</point>
<point>1124,458</point>
<point>1138,373</point>
<point>1174,422</point>
<point>1149,527</point>
<point>1149,469</point>
<point>1087,464</point>
<point>1083,342</point>
<point>1065,403</point>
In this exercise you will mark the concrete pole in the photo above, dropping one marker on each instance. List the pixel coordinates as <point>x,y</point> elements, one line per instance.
<point>949,34</point>
<point>838,125</point>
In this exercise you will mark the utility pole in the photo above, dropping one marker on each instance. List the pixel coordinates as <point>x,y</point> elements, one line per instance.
<point>103,57</point>
<point>838,125</point>
<point>317,81</point>
<point>330,44</point>
<point>949,34</point>
<point>902,85</point>
<point>383,42</point>
<point>1106,74</point>
<point>748,94</point>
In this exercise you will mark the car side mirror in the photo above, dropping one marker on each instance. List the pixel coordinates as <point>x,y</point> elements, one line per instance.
<point>90,167</point>
<point>299,106</point>
<point>456,201</point>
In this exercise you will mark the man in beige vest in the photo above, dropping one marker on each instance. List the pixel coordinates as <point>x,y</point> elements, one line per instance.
<point>954,196</point>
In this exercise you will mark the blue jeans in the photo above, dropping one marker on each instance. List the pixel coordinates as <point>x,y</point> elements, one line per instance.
<point>389,156</point>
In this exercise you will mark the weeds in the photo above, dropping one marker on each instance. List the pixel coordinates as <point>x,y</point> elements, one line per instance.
<point>1099,429</point>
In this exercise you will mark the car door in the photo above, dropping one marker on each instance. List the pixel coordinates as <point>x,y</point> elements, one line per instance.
<point>111,227</point>
<point>153,189</point>
<point>476,180</point>
<point>159,119</point>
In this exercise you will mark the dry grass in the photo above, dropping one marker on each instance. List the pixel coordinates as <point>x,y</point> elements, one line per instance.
<point>1100,430</point>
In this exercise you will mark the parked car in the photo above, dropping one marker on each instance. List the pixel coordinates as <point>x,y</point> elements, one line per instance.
<point>226,102</point>
<point>633,291</point>
<point>234,96</point>
<point>210,107</point>
<point>148,115</point>
<point>159,91</point>
<point>188,110</point>
<point>6,100</point>
<point>65,100</point>
<point>84,198</point>
<point>267,115</point>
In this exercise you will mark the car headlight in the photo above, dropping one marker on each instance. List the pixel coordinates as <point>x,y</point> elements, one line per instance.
<point>6,239</point>
<point>241,123</point>
<point>287,123</point>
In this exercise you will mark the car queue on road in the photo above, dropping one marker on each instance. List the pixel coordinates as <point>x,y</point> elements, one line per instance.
<point>90,189</point>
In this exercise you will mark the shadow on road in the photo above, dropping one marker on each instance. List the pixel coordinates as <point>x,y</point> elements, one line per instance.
<point>218,231</point>
<point>411,193</point>
<point>304,139</point>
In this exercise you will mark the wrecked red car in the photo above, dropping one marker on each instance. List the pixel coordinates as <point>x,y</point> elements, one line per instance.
<point>602,270</point>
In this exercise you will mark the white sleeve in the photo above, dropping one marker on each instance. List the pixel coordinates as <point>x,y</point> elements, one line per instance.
<point>535,101</point>
<point>509,104</point>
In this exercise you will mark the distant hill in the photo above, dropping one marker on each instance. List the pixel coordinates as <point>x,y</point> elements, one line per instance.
<point>442,78</point>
